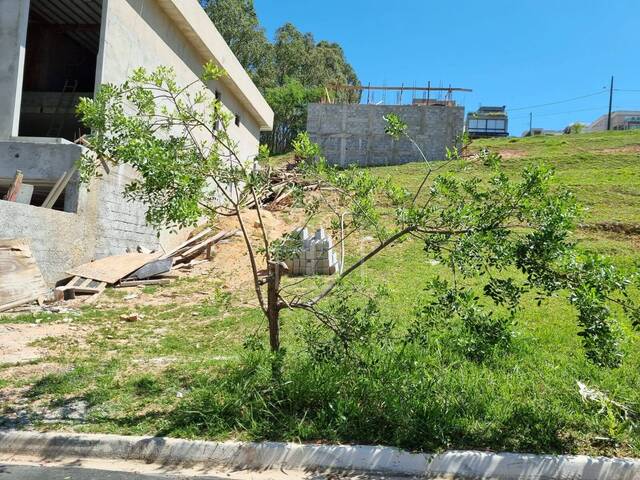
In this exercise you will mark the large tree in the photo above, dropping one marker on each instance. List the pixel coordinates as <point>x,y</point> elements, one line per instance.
<point>306,71</point>
<point>237,22</point>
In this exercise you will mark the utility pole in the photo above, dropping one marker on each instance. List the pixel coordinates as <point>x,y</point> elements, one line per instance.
<point>610,104</point>
<point>531,124</point>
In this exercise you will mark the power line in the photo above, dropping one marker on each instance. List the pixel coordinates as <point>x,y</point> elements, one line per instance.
<point>559,113</point>
<point>626,91</point>
<point>559,101</point>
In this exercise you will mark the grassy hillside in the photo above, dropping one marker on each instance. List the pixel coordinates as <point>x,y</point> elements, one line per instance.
<point>182,369</point>
<point>602,169</point>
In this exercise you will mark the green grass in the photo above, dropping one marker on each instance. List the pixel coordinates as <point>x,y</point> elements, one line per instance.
<point>599,168</point>
<point>182,370</point>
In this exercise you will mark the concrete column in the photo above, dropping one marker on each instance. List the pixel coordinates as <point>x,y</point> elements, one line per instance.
<point>14,20</point>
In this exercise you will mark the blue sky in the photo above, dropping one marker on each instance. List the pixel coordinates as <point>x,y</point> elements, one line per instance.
<point>517,53</point>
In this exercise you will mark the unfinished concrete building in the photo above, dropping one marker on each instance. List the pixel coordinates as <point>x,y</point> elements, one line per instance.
<point>56,51</point>
<point>354,133</point>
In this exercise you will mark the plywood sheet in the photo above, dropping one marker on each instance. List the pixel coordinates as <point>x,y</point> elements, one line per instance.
<point>112,269</point>
<point>20,278</point>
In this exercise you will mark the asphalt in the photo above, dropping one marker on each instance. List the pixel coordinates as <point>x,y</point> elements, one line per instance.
<point>26,472</point>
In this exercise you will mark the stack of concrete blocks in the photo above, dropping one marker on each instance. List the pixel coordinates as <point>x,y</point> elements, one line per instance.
<point>316,257</point>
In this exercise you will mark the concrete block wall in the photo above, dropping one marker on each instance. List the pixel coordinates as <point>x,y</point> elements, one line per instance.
<point>317,256</point>
<point>121,224</point>
<point>355,134</point>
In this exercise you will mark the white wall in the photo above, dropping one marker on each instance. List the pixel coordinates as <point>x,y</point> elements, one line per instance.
<point>138,33</point>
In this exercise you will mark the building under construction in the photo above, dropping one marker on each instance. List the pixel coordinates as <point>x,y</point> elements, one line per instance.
<point>354,133</point>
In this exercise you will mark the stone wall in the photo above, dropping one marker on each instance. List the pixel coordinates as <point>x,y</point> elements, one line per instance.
<point>355,134</point>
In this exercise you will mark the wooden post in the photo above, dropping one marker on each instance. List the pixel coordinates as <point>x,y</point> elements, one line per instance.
<point>14,188</point>
<point>273,310</point>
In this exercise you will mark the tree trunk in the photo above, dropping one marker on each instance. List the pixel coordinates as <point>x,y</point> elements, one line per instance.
<point>273,310</point>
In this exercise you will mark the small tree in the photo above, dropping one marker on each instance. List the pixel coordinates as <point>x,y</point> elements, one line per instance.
<point>515,235</point>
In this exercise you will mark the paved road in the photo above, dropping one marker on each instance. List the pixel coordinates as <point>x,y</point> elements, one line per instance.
<point>19,472</point>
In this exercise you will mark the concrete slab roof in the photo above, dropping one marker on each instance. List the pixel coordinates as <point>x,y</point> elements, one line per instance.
<point>195,24</point>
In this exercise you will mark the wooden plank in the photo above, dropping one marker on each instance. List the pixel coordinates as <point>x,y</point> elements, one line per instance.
<point>94,298</point>
<point>54,189</point>
<point>14,188</point>
<point>20,277</point>
<point>202,245</point>
<point>58,188</point>
<point>113,269</point>
<point>17,303</point>
<point>189,242</point>
<point>138,283</point>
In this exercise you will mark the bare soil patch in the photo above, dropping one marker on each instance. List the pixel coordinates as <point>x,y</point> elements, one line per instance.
<point>231,262</point>
<point>625,149</point>
<point>230,266</point>
<point>31,370</point>
<point>509,154</point>
<point>614,227</point>
<point>17,339</point>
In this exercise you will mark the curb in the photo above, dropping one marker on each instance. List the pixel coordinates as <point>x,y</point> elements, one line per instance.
<point>167,452</point>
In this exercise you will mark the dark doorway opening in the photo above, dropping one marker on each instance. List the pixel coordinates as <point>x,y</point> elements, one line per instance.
<point>63,40</point>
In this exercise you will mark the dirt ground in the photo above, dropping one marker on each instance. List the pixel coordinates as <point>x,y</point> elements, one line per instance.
<point>627,149</point>
<point>17,339</point>
<point>230,266</point>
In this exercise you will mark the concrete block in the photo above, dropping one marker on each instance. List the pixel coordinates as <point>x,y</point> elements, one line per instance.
<point>316,257</point>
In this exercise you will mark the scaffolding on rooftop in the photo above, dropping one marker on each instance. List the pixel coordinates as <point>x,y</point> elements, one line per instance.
<point>377,95</point>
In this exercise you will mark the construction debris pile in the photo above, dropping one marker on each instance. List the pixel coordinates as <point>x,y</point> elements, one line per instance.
<point>281,187</point>
<point>21,281</point>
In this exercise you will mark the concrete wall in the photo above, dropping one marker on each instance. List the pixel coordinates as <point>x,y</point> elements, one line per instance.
<point>355,134</point>
<point>139,33</point>
<point>59,240</point>
<point>14,18</point>
<point>42,161</point>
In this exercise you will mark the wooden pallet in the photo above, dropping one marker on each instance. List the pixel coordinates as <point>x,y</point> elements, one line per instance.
<point>80,286</point>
